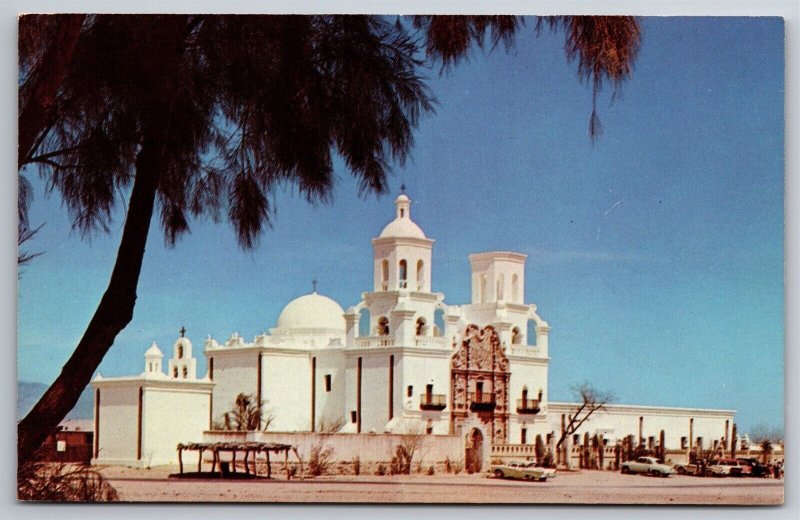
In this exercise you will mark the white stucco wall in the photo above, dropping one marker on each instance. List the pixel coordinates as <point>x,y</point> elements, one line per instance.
<point>119,404</point>
<point>235,372</point>
<point>618,421</point>
<point>286,386</point>
<point>172,414</point>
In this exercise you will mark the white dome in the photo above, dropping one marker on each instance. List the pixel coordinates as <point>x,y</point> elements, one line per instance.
<point>402,227</point>
<point>312,311</point>
<point>153,351</point>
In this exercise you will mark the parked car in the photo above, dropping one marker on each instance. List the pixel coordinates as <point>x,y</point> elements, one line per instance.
<point>648,465</point>
<point>752,467</point>
<point>724,468</point>
<point>689,469</point>
<point>522,469</point>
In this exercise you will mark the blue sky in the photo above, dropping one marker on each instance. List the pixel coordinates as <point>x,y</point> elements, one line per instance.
<point>656,254</point>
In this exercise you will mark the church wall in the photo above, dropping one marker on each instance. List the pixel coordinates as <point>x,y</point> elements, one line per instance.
<point>330,406</point>
<point>347,446</point>
<point>419,371</point>
<point>374,391</point>
<point>234,373</point>
<point>119,406</point>
<point>172,415</point>
<point>533,374</point>
<point>619,421</point>
<point>286,386</point>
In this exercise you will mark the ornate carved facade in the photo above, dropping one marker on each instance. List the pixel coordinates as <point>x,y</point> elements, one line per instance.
<point>479,375</point>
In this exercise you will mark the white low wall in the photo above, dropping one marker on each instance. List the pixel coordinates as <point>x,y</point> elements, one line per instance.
<point>379,447</point>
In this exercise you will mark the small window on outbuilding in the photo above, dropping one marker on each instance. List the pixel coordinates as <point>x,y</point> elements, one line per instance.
<point>683,443</point>
<point>353,416</point>
<point>328,382</point>
<point>410,391</point>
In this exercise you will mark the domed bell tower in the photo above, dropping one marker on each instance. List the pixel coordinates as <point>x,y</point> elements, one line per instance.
<point>402,253</point>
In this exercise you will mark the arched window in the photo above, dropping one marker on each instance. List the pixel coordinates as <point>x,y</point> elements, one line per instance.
<point>180,351</point>
<point>383,326</point>
<point>438,322</point>
<point>515,288</point>
<point>420,274</point>
<point>516,337</point>
<point>175,372</point>
<point>385,275</point>
<point>531,333</point>
<point>185,372</point>
<point>363,322</point>
<point>421,329</point>
<point>403,274</point>
<point>483,288</point>
<point>500,282</point>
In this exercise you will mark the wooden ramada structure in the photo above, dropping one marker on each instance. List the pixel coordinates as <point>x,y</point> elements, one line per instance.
<point>233,448</point>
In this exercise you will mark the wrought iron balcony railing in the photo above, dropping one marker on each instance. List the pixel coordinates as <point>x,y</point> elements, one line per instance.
<point>528,406</point>
<point>432,402</point>
<point>481,401</point>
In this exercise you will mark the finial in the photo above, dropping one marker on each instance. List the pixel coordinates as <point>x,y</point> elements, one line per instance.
<point>314,285</point>
<point>183,331</point>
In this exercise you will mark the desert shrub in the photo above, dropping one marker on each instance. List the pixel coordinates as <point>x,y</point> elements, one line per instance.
<point>457,467</point>
<point>431,470</point>
<point>60,482</point>
<point>418,468</point>
<point>380,470</point>
<point>448,466</point>
<point>320,459</point>
<point>356,466</point>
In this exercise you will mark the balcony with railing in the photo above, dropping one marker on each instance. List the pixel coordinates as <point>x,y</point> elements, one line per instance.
<point>528,406</point>
<point>432,402</point>
<point>482,401</point>
<point>374,341</point>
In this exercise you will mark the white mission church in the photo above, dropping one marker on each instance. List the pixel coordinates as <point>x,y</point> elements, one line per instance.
<point>400,360</point>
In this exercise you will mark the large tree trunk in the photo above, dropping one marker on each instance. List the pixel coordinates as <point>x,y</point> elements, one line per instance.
<point>45,81</point>
<point>113,313</point>
<point>115,310</point>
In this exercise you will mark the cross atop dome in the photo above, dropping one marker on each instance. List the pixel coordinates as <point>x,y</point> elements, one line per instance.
<point>182,331</point>
<point>314,285</point>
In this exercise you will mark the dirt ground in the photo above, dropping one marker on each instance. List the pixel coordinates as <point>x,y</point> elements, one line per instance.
<point>584,487</point>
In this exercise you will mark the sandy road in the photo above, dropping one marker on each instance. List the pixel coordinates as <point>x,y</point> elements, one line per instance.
<point>586,487</point>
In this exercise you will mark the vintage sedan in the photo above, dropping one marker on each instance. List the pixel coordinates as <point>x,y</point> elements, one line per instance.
<point>647,465</point>
<point>522,469</point>
<point>724,468</point>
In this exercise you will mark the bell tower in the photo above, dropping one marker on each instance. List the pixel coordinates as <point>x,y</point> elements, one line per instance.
<point>402,253</point>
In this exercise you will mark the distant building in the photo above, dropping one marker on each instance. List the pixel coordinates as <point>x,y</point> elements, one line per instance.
<point>71,442</point>
<point>400,359</point>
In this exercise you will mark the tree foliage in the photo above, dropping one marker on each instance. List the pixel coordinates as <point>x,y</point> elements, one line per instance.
<point>193,116</point>
<point>246,415</point>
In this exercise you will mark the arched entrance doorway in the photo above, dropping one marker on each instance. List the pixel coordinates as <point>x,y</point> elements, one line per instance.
<point>473,457</point>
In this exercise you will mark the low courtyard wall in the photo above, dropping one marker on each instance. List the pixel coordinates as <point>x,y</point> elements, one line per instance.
<point>369,449</point>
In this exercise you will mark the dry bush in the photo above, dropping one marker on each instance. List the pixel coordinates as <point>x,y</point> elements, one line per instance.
<point>60,482</point>
<point>320,459</point>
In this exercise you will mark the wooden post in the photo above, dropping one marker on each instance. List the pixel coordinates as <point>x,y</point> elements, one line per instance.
<point>233,461</point>
<point>269,466</point>
<point>214,457</point>
<point>286,463</point>
<point>180,457</point>
<point>247,461</point>
<point>200,461</point>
